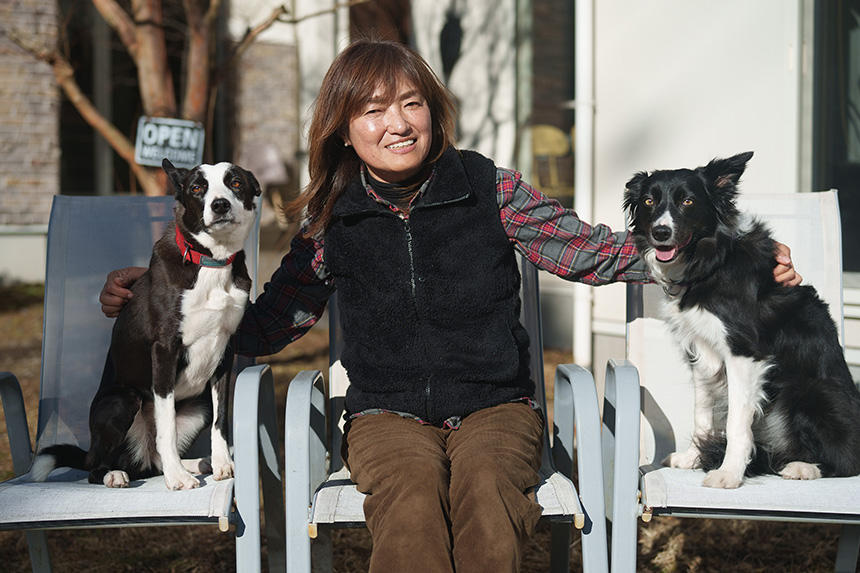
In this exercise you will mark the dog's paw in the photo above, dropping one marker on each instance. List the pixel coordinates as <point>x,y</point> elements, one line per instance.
<point>800,470</point>
<point>722,479</point>
<point>180,480</point>
<point>223,469</point>
<point>686,460</point>
<point>116,478</point>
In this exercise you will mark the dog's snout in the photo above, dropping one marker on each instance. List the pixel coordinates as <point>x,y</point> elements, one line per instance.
<point>661,233</point>
<point>220,206</point>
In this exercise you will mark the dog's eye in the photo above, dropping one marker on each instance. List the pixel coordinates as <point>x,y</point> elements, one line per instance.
<point>649,202</point>
<point>196,189</point>
<point>235,184</point>
<point>687,202</point>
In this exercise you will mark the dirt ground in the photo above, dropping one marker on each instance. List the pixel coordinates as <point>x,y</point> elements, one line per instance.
<point>665,544</point>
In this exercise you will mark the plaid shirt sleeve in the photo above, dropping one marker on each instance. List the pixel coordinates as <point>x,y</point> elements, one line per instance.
<point>291,302</point>
<point>556,240</point>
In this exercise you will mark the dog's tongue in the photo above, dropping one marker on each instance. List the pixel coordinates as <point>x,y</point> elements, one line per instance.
<point>664,254</point>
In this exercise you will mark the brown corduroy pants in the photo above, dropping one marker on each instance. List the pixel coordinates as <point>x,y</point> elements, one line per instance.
<point>442,500</point>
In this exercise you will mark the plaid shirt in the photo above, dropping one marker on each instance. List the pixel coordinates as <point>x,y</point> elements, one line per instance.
<point>550,236</point>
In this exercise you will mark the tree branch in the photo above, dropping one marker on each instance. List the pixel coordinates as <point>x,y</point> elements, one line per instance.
<point>212,12</point>
<point>279,14</point>
<point>197,64</point>
<point>121,22</point>
<point>65,76</point>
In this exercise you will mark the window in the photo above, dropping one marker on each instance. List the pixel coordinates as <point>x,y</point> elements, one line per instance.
<point>836,123</point>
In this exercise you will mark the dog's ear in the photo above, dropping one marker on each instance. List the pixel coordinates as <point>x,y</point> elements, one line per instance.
<point>632,192</point>
<point>724,174</point>
<point>254,183</point>
<point>635,183</point>
<point>175,174</point>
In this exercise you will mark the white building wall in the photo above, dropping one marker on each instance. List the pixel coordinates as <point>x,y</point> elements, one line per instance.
<point>678,82</point>
<point>484,77</point>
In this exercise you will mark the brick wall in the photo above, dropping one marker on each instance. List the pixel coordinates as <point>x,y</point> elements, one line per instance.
<point>29,127</point>
<point>265,106</point>
<point>552,49</point>
<point>552,89</point>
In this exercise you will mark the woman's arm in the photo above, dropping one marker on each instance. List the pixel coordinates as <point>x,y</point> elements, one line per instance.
<point>557,240</point>
<point>291,302</point>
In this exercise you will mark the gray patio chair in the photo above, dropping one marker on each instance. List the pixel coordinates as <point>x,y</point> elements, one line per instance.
<point>660,386</point>
<point>320,495</point>
<point>87,237</point>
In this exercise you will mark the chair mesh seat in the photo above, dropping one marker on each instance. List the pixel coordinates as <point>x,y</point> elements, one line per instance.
<point>337,501</point>
<point>771,495</point>
<point>67,498</point>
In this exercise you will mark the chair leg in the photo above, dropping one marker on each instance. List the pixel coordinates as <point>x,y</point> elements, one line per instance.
<point>849,549</point>
<point>321,552</point>
<point>37,543</point>
<point>270,477</point>
<point>559,547</point>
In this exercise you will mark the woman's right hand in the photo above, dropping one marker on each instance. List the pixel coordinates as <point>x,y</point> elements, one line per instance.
<point>116,291</point>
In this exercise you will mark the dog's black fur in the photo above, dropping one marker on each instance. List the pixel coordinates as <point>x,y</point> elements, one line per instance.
<point>714,263</point>
<point>168,344</point>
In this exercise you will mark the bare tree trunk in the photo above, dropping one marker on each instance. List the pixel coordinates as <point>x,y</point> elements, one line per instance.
<point>198,64</point>
<point>153,73</point>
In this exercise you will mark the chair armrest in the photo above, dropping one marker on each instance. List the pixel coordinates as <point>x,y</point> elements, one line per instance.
<point>621,457</point>
<point>255,434</point>
<point>621,405</point>
<point>304,450</point>
<point>16,422</point>
<point>575,390</point>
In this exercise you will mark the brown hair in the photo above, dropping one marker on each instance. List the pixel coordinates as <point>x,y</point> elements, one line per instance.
<point>348,85</point>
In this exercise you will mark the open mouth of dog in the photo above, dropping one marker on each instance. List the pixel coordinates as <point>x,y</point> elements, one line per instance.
<point>668,253</point>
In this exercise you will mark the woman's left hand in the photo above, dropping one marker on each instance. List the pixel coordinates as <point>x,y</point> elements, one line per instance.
<point>784,272</point>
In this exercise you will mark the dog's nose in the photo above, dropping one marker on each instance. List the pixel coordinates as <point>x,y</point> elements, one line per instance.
<point>661,233</point>
<point>220,206</point>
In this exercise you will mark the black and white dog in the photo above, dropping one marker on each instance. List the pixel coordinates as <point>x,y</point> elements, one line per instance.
<point>765,356</point>
<point>168,343</point>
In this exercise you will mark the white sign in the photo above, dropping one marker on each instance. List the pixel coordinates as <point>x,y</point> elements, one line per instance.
<point>178,140</point>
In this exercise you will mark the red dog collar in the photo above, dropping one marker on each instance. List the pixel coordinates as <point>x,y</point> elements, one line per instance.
<point>189,254</point>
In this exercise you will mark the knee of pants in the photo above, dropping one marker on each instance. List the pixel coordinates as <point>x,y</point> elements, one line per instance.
<point>411,479</point>
<point>408,501</point>
<point>486,479</point>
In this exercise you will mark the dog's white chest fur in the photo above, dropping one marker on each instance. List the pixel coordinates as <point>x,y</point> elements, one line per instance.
<point>696,327</point>
<point>211,312</point>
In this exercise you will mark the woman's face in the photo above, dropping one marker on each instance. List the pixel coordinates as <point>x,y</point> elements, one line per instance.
<point>392,138</point>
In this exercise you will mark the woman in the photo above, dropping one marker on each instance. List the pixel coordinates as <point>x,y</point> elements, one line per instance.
<point>419,240</point>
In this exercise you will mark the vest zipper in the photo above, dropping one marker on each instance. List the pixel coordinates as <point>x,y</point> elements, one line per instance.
<point>427,399</point>
<point>409,250</point>
<point>408,230</point>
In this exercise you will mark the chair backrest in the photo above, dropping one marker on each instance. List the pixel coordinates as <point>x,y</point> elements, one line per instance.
<point>529,316</point>
<point>809,224</point>
<point>87,238</point>
<point>550,146</point>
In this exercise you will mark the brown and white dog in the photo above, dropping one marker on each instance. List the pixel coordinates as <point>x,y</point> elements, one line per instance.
<point>168,347</point>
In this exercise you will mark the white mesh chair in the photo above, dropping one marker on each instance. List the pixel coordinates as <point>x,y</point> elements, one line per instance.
<point>88,237</point>
<point>660,386</point>
<point>320,495</point>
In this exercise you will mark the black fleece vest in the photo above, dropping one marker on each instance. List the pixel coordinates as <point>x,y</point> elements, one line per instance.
<point>429,304</point>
